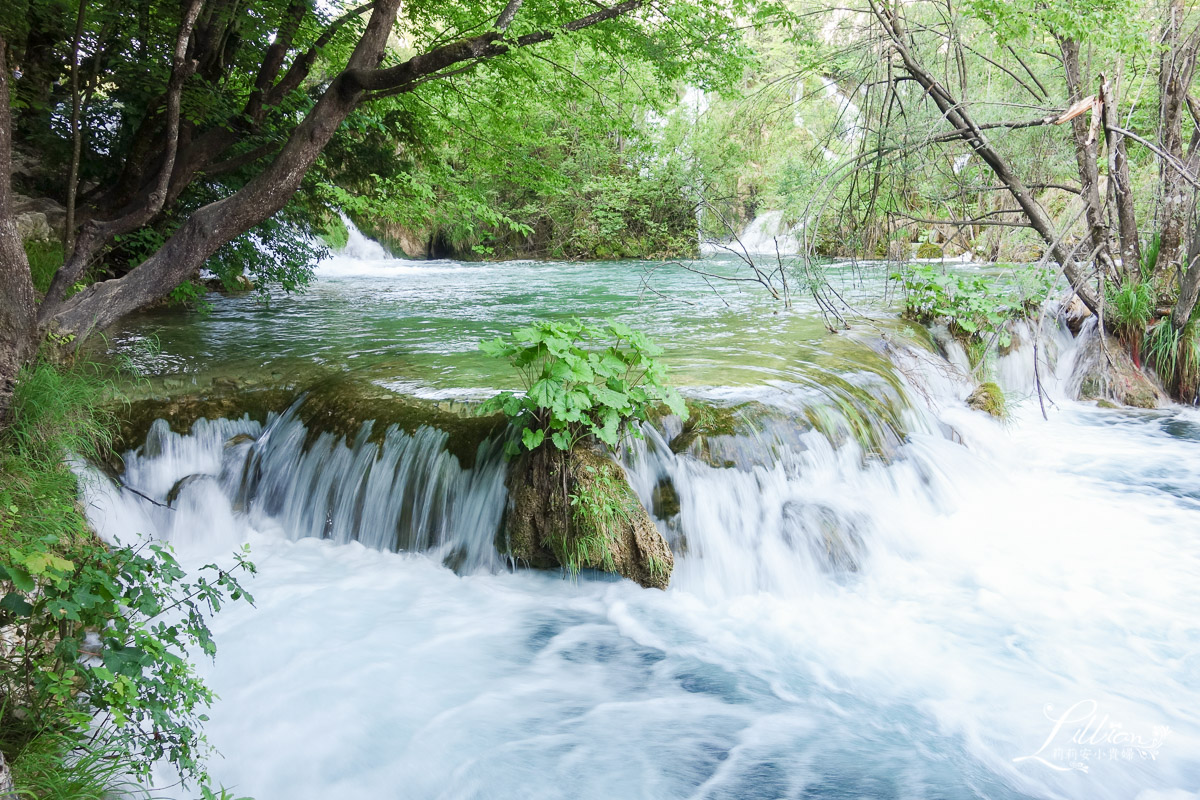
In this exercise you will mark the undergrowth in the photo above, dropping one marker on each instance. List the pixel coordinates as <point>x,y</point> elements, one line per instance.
<point>1131,307</point>
<point>1175,356</point>
<point>598,509</point>
<point>95,681</point>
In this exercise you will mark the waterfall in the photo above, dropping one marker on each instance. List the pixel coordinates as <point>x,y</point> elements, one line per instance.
<point>398,492</point>
<point>767,234</point>
<point>878,592</point>
<point>358,246</point>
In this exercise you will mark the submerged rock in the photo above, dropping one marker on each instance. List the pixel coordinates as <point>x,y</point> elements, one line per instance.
<point>831,538</point>
<point>576,510</point>
<point>1104,370</point>
<point>665,500</point>
<point>988,397</point>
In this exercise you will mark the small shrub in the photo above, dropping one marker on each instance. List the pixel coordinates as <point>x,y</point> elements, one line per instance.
<point>1131,309</point>
<point>580,380</point>
<point>94,659</point>
<point>977,309</point>
<point>1175,356</point>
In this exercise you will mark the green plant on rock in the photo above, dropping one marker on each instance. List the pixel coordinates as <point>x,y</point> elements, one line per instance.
<point>598,507</point>
<point>580,380</point>
<point>1175,355</point>
<point>1130,311</point>
<point>978,309</point>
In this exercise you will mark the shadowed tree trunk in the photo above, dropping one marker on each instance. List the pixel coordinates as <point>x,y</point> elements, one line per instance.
<point>18,315</point>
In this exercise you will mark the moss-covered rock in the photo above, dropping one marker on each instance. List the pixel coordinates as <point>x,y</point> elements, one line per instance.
<point>576,510</point>
<point>1104,370</point>
<point>333,403</point>
<point>929,250</point>
<point>990,398</point>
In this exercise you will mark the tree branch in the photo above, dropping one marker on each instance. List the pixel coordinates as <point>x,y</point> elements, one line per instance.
<point>96,235</point>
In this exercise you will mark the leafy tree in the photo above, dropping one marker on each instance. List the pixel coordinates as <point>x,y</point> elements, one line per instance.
<point>202,121</point>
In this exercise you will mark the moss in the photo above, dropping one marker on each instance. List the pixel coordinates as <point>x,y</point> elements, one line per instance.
<point>990,398</point>
<point>576,510</point>
<point>929,250</point>
<point>334,404</point>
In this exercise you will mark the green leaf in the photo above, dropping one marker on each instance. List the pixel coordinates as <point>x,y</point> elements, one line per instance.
<point>16,604</point>
<point>20,578</point>
<point>532,439</point>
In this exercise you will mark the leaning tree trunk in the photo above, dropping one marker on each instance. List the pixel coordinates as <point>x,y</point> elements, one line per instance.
<point>959,115</point>
<point>1086,136</point>
<point>18,314</point>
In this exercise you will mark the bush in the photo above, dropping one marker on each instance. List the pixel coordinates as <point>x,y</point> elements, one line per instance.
<point>975,307</point>
<point>1175,356</point>
<point>580,380</point>
<point>1131,309</point>
<point>94,659</point>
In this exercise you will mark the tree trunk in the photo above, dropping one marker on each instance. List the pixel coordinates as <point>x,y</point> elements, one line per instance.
<point>207,229</point>
<point>1174,80</point>
<point>958,114</point>
<point>1120,184</point>
<point>1087,145</point>
<point>18,314</point>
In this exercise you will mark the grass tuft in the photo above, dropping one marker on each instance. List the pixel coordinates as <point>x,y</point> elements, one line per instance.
<point>1175,356</point>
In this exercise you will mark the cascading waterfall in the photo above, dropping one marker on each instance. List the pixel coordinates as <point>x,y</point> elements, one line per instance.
<point>405,492</point>
<point>878,592</point>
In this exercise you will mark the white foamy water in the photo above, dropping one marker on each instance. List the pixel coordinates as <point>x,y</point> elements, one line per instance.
<point>976,609</point>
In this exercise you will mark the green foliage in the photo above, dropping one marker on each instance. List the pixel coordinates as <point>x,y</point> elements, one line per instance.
<point>599,507</point>
<point>1175,355</point>
<point>1113,23</point>
<point>1131,309</point>
<point>580,380</point>
<point>95,662</point>
<point>48,768</point>
<point>45,257</point>
<point>334,233</point>
<point>975,307</point>
<point>191,294</point>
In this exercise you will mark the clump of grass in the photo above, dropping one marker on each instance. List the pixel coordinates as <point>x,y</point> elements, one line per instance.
<point>1150,257</point>
<point>1131,309</point>
<point>1175,356</point>
<point>58,411</point>
<point>50,768</point>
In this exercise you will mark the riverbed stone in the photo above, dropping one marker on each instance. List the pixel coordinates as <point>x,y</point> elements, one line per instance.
<point>552,522</point>
<point>989,398</point>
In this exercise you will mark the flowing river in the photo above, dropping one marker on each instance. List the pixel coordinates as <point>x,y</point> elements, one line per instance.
<point>879,593</point>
